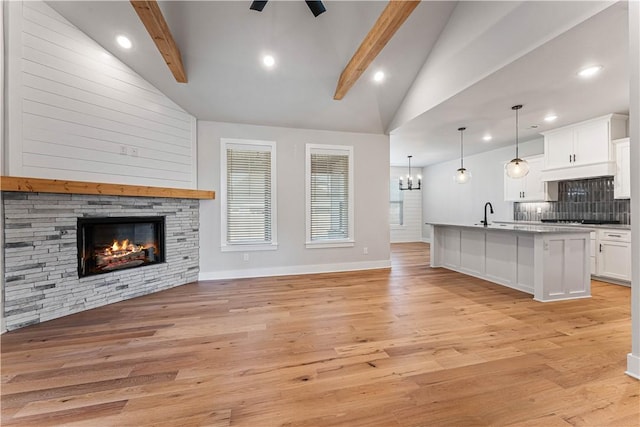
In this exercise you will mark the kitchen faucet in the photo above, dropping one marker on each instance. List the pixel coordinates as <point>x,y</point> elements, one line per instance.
<point>485,222</point>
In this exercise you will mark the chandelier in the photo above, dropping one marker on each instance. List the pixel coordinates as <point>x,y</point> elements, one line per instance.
<point>409,185</point>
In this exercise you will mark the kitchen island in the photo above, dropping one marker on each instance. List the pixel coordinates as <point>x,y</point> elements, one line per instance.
<point>551,263</point>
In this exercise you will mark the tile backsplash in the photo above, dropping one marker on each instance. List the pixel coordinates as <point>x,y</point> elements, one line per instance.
<point>578,199</point>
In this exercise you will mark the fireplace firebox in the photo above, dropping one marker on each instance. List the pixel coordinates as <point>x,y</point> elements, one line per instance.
<point>115,243</point>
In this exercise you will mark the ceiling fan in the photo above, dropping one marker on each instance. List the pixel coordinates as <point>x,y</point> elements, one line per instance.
<point>316,7</point>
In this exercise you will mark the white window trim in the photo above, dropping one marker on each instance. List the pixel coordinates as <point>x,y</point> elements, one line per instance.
<point>401,214</point>
<point>337,150</point>
<point>247,144</point>
<point>397,227</point>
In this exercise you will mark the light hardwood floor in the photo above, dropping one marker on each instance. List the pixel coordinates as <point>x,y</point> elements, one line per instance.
<point>410,346</point>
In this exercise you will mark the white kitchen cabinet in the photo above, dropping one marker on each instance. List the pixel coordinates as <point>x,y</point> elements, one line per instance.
<point>531,188</point>
<point>592,250</point>
<point>558,148</point>
<point>614,254</point>
<point>592,143</point>
<point>551,263</point>
<point>582,150</point>
<point>622,178</point>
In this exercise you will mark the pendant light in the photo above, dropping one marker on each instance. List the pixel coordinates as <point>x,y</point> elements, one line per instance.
<point>462,175</point>
<point>517,168</point>
<point>410,180</point>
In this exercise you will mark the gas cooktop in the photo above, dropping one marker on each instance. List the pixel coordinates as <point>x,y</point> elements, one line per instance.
<point>581,221</point>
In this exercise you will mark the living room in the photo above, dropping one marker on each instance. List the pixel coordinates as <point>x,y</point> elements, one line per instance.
<point>75,113</point>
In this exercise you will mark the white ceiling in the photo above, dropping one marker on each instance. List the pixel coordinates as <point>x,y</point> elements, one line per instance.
<point>222,43</point>
<point>544,81</point>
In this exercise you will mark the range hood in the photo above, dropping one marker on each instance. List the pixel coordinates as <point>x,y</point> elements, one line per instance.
<point>593,170</point>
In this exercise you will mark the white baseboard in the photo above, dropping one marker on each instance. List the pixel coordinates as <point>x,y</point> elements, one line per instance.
<point>633,366</point>
<point>426,240</point>
<point>293,270</point>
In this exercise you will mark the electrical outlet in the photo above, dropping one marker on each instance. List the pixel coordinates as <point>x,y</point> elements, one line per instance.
<point>123,150</point>
<point>365,250</point>
<point>539,210</point>
<point>245,257</point>
<point>134,151</point>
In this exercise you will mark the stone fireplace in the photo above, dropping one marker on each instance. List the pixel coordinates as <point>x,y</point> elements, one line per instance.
<point>43,278</point>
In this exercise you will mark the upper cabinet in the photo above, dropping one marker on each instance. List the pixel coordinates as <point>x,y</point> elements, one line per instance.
<point>531,188</point>
<point>622,178</point>
<point>582,150</point>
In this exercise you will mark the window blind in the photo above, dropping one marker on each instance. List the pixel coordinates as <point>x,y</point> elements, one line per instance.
<point>396,203</point>
<point>249,196</point>
<point>329,192</point>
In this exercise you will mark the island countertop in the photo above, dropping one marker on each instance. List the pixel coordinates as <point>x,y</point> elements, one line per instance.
<point>552,263</point>
<point>568,224</point>
<point>520,228</point>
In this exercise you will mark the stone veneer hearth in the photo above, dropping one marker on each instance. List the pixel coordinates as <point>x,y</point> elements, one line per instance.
<point>41,265</point>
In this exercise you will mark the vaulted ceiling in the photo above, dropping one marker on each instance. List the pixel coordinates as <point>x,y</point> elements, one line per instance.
<point>451,64</point>
<point>222,43</point>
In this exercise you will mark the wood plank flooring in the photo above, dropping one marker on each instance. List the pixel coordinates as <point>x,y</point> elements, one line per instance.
<point>410,346</point>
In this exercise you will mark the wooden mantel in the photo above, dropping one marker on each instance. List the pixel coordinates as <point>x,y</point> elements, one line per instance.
<point>39,185</point>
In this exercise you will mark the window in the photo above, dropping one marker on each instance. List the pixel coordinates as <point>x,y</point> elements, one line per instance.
<point>248,185</point>
<point>329,191</point>
<point>396,203</point>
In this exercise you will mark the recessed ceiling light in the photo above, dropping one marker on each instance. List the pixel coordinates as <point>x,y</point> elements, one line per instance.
<point>590,71</point>
<point>124,42</point>
<point>268,61</point>
<point>378,76</point>
<point>487,138</point>
<point>550,118</point>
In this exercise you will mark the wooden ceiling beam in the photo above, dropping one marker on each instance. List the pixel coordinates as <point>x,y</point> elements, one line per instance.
<point>151,16</point>
<point>389,21</point>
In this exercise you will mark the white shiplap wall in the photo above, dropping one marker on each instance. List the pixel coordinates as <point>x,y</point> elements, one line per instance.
<point>76,112</point>
<point>411,229</point>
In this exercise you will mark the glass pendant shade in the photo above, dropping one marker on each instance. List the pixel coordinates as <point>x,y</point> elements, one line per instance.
<point>462,176</point>
<point>517,168</point>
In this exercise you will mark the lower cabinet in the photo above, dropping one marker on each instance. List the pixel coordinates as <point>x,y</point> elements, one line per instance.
<point>552,265</point>
<point>614,254</point>
<point>592,247</point>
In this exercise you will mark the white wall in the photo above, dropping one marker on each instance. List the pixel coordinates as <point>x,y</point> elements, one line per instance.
<point>411,229</point>
<point>371,166</point>
<point>633,358</point>
<point>445,201</point>
<point>75,112</point>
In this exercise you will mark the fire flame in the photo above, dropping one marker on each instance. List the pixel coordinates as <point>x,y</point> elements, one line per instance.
<point>124,246</point>
<point>119,247</point>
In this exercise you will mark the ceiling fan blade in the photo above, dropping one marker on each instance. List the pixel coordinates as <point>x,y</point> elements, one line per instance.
<point>258,5</point>
<point>316,7</point>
